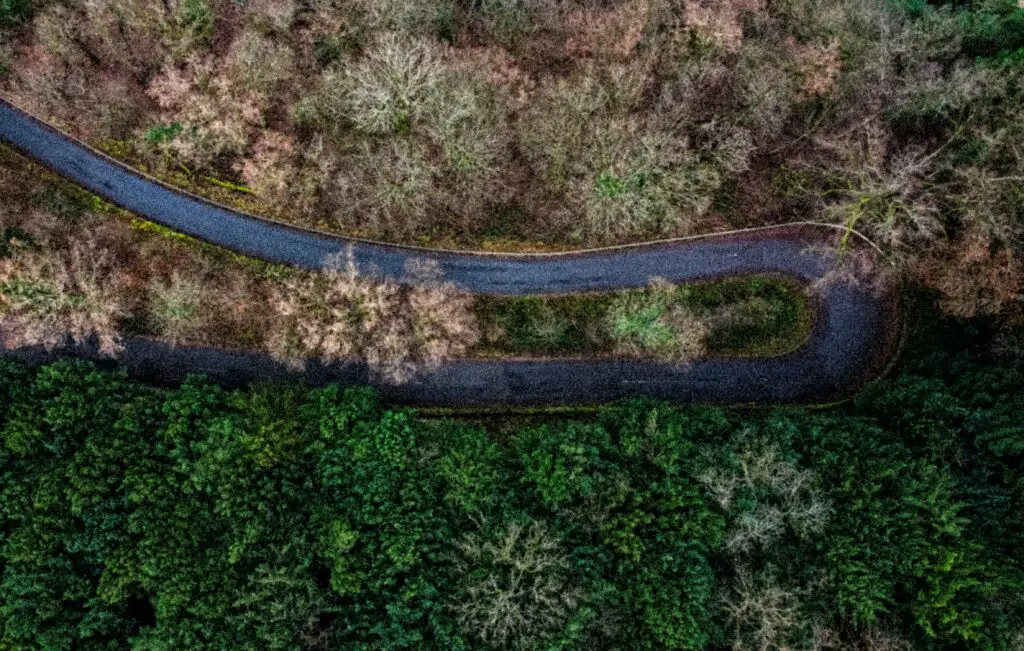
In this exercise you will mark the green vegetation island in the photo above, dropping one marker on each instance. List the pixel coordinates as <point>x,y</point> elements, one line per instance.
<point>287,516</point>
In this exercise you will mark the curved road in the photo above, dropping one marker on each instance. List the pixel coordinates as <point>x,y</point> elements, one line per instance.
<point>853,338</point>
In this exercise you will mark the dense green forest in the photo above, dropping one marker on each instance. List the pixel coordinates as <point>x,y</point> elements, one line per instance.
<point>287,517</point>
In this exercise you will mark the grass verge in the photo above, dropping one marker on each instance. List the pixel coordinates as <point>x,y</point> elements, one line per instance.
<point>753,315</point>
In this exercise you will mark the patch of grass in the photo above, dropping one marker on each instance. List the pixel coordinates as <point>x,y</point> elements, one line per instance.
<point>544,325</point>
<point>163,133</point>
<point>610,186</point>
<point>756,315</point>
<point>198,16</point>
<point>175,307</point>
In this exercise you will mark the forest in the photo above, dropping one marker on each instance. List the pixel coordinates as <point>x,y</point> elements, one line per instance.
<point>282,517</point>
<point>460,123</point>
<point>540,124</point>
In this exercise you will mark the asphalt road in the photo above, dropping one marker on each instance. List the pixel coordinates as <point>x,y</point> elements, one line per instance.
<point>855,330</point>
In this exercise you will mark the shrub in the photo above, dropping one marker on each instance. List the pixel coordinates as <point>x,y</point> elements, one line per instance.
<point>442,324</point>
<point>506,21</point>
<point>258,64</point>
<point>327,50</point>
<point>729,145</point>
<point>547,327</point>
<point>272,16</point>
<point>648,184</point>
<point>765,89</point>
<point>56,79</point>
<point>510,23</point>
<point>270,168</point>
<point>446,24</point>
<point>195,21</point>
<point>555,126</point>
<point>768,496</point>
<point>606,32</point>
<point>175,308</point>
<point>468,123</point>
<point>129,34</point>
<point>75,293</point>
<point>387,189</point>
<point>319,315</point>
<point>762,611</point>
<point>881,192</point>
<point>625,176</point>
<point>852,266</point>
<point>654,323</point>
<point>697,88</point>
<point>57,32</point>
<point>721,23</point>
<point>215,114</point>
<point>411,17</point>
<point>14,12</point>
<point>308,188</point>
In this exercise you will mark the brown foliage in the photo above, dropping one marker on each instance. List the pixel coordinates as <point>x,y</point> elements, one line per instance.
<point>600,121</point>
<point>215,113</point>
<point>820,66</point>
<point>270,167</point>
<point>606,32</point>
<point>397,329</point>
<point>501,69</point>
<point>973,277</point>
<point>720,21</point>
<point>385,188</point>
<point>77,293</point>
<point>97,104</point>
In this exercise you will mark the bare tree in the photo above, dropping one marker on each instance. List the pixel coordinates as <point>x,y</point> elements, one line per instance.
<point>790,497</point>
<point>397,329</point>
<point>761,611</point>
<point>516,588</point>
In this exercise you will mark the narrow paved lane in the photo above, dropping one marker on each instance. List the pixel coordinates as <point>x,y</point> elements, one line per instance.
<point>853,337</point>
